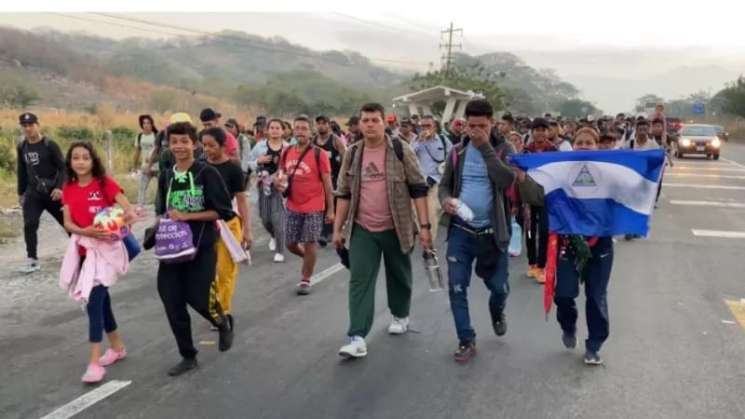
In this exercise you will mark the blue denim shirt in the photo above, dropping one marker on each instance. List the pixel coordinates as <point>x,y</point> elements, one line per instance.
<point>431,155</point>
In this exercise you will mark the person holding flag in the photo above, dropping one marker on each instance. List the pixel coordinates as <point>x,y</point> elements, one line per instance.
<point>590,196</point>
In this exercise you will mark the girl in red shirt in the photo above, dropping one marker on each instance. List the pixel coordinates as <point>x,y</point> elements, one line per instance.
<point>87,191</point>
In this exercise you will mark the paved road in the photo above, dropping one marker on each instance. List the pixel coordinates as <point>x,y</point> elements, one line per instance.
<point>675,351</point>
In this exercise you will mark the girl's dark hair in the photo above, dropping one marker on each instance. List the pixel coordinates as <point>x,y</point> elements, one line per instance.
<point>278,121</point>
<point>142,119</point>
<point>217,133</point>
<point>98,170</point>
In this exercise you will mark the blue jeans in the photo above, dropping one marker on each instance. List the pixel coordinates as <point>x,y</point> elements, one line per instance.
<point>491,266</point>
<point>596,276</point>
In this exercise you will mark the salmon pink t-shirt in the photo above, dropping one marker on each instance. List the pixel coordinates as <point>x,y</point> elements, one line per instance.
<point>374,213</point>
<point>306,194</point>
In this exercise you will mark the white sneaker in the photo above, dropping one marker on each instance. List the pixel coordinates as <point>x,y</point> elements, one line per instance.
<point>279,258</point>
<point>357,348</point>
<point>31,266</point>
<point>273,246</point>
<point>398,326</point>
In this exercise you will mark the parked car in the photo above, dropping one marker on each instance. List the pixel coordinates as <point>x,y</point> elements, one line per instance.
<point>698,139</point>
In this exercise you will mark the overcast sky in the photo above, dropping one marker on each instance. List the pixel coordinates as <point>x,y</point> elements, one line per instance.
<point>592,29</point>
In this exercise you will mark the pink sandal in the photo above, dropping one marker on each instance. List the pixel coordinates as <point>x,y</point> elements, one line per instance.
<point>111,356</point>
<point>93,374</point>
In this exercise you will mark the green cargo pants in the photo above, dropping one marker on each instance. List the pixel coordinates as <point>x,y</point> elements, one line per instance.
<point>365,249</point>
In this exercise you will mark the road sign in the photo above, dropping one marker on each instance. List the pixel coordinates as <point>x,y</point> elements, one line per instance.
<point>699,108</point>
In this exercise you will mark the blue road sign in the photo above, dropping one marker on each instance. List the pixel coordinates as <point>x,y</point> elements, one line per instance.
<point>699,108</point>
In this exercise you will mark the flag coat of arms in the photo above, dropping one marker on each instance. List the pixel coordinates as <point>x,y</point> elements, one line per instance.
<point>597,193</point>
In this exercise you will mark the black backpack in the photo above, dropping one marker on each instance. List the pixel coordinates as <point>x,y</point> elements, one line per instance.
<point>398,149</point>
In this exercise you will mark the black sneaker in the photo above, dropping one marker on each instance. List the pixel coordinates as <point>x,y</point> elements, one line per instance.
<point>322,242</point>
<point>186,365</point>
<point>592,358</point>
<point>466,351</point>
<point>569,340</point>
<point>226,335</point>
<point>500,325</point>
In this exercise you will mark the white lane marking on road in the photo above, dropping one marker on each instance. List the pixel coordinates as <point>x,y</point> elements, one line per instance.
<point>729,322</point>
<point>707,169</point>
<point>706,175</point>
<point>719,234</point>
<point>734,163</point>
<point>718,204</point>
<point>702,186</point>
<point>87,400</point>
<point>323,275</point>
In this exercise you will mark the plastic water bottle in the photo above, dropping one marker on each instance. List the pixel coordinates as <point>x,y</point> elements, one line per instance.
<point>266,182</point>
<point>465,213</point>
<point>434,274</point>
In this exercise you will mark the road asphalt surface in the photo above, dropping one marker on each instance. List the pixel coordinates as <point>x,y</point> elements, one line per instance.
<point>676,348</point>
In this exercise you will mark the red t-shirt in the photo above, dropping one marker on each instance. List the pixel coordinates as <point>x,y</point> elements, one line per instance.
<point>306,194</point>
<point>84,202</point>
<point>231,145</point>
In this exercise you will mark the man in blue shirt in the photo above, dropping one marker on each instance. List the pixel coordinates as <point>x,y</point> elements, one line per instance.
<point>432,150</point>
<point>476,177</point>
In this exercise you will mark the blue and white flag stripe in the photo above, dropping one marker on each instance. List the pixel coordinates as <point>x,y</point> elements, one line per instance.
<point>597,193</point>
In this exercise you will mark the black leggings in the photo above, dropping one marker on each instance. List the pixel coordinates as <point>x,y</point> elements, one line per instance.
<point>191,283</point>
<point>100,316</point>
<point>34,205</point>
<point>537,239</point>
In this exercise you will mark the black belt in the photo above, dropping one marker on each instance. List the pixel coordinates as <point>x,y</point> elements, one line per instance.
<point>475,232</point>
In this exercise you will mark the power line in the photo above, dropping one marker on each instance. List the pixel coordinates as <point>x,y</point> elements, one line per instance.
<point>86,19</point>
<point>384,26</point>
<point>242,40</point>
<point>448,46</point>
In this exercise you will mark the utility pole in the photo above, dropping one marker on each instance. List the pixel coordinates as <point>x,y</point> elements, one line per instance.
<point>447,57</point>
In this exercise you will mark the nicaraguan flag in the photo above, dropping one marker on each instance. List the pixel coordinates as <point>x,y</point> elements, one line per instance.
<point>597,193</point>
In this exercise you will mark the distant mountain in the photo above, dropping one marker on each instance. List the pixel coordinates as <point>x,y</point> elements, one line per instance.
<point>236,67</point>
<point>229,57</point>
<point>530,91</point>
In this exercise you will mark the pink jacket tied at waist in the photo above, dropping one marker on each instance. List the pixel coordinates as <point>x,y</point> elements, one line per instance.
<point>104,262</point>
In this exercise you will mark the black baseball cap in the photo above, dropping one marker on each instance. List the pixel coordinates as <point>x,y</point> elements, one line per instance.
<point>322,118</point>
<point>539,123</point>
<point>508,117</point>
<point>353,120</point>
<point>28,118</point>
<point>208,114</point>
